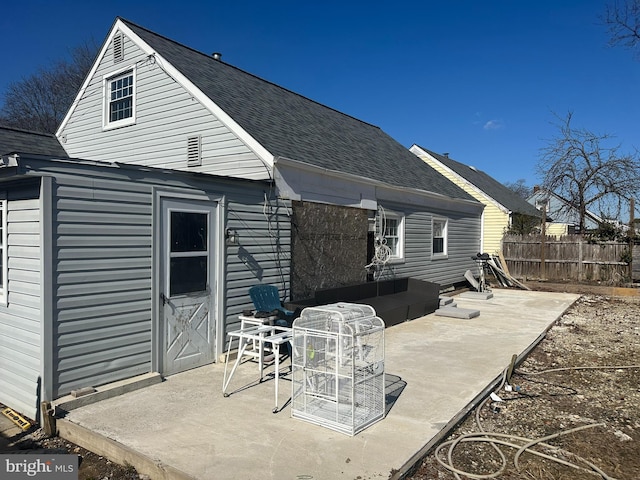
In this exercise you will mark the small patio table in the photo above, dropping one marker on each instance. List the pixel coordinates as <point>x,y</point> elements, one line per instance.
<point>261,336</point>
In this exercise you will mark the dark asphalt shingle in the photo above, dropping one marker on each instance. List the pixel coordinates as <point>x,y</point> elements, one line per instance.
<point>290,125</point>
<point>13,140</point>
<point>490,186</point>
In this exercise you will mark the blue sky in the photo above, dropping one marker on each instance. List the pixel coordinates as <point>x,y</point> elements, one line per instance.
<point>480,80</point>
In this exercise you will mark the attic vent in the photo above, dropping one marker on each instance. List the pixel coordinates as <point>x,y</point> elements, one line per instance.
<point>118,48</point>
<point>194,151</point>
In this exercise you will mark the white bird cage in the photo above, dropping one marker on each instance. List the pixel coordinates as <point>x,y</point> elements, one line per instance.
<point>338,367</point>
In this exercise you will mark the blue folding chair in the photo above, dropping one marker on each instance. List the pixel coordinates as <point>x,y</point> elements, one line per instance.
<point>266,298</point>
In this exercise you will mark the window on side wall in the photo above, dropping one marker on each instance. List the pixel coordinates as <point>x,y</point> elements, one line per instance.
<point>3,251</point>
<point>394,234</point>
<point>439,242</point>
<point>119,99</point>
<point>542,203</point>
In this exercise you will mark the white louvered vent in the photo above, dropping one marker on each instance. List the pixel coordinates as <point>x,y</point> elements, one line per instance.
<point>118,48</point>
<point>194,151</point>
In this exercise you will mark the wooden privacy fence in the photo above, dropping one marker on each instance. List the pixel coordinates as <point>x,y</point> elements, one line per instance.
<point>567,258</point>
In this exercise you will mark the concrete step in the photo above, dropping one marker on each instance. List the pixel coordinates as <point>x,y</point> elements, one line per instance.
<point>456,312</point>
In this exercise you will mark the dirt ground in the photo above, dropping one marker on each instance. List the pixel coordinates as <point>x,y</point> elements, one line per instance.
<point>580,388</point>
<point>583,374</point>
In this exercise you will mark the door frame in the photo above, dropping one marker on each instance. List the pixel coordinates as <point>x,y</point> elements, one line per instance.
<point>217,256</point>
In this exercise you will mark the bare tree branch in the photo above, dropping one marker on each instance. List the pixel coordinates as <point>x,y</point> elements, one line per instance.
<point>520,188</point>
<point>622,18</point>
<point>40,101</point>
<point>590,174</point>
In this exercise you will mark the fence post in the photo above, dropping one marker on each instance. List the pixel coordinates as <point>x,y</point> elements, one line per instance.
<point>580,258</point>
<point>543,238</point>
<point>632,235</point>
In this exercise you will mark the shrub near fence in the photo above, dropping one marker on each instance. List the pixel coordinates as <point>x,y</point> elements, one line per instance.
<point>567,258</point>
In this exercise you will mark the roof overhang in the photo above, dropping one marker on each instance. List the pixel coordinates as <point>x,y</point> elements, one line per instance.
<point>297,180</point>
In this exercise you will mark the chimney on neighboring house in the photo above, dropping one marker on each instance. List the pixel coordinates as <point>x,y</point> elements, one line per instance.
<point>535,188</point>
<point>216,55</point>
<point>445,154</point>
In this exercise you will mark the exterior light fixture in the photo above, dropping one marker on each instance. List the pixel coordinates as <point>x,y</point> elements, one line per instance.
<point>232,237</point>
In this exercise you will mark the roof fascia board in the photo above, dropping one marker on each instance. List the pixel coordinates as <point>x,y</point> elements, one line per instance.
<point>313,169</point>
<point>231,124</point>
<point>415,148</point>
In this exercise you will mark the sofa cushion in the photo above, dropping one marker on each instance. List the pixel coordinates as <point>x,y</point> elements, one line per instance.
<point>395,300</point>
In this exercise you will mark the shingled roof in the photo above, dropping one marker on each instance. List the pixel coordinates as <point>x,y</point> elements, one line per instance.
<point>487,184</point>
<point>13,140</point>
<point>292,126</point>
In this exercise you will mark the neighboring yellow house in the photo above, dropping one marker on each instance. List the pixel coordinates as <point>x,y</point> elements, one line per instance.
<point>500,202</point>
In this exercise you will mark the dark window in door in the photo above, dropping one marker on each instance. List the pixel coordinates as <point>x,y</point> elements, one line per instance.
<point>189,254</point>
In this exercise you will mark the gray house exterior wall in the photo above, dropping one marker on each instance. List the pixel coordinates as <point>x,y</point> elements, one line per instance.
<point>21,319</point>
<point>166,115</point>
<point>100,313</point>
<point>83,306</point>
<point>463,241</point>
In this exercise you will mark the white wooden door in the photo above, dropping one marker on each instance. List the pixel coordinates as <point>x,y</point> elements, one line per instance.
<point>188,284</point>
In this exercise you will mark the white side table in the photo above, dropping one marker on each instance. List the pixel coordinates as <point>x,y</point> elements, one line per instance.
<point>272,335</point>
<point>247,321</point>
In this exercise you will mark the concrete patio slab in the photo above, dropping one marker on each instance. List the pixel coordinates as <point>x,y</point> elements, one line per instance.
<point>436,369</point>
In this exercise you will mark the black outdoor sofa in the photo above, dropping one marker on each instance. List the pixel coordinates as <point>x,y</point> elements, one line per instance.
<point>395,301</point>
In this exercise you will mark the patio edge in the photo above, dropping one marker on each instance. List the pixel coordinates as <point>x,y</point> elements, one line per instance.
<point>411,464</point>
<point>118,453</point>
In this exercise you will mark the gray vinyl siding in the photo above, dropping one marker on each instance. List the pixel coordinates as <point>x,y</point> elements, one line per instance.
<point>166,116</point>
<point>20,319</point>
<point>102,284</point>
<point>262,256</point>
<point>463,241</point>
<point>101,251</point>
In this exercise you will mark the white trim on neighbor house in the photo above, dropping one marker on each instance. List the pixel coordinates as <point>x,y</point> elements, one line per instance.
<point>466,183</point>
<point>482,225</point>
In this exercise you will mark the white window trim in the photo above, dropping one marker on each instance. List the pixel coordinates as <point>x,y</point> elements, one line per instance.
<point>543,202</point>
<point>106,81</point>
<point>5,253</point>
<point>445,252</point>
<point>399,257</point>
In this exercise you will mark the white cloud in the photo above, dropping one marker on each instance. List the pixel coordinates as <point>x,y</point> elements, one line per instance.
<point>493,125</point>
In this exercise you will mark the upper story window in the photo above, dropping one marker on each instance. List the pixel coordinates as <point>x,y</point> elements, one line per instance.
<point>394,234</point>
<point>439,237</point>
<point>120,105</point>
<point>3,251</point>
<point>542,203</point>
